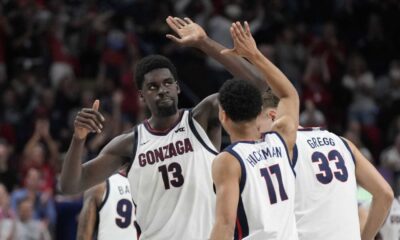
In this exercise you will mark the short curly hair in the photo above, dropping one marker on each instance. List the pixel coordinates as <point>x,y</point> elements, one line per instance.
<point>240,100</point>
<point>151,62</point>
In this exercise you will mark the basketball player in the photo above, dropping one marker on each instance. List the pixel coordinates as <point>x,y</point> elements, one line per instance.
<point>328,169</point>
<point>365,173</point>
<point>254,180</point>
<point>391,228</point>
<point>108,211</point>
<point>170,156</point>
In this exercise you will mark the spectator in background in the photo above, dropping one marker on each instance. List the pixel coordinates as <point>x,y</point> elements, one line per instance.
<point>5,209</point>
<point>43,204</point>
<point>8,176</point>
<point>390,158</point>
<point>25,226</point>
<point>311,116</point>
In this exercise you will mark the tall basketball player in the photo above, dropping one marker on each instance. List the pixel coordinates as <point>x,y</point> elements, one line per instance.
<point>254,179</point>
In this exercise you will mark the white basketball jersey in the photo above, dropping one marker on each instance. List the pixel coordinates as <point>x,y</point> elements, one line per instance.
<point>391,228</point>
<point>326,189</point>
<point>267,188</point>
<point>171,181</point>
<point>116,214</point>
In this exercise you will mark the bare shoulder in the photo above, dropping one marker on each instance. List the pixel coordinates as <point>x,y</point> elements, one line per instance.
<point>95,193</point>
<point>206,108</point>
<point>225,165</point>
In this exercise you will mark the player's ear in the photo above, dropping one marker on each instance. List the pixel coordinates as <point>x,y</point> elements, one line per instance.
<point>141,98</point>
<point>178,88</point>
<point>221,114</point>
<point>271,114</point>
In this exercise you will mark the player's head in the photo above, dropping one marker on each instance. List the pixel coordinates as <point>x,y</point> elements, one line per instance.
<point>270,103</point>
<point>240,102</point>
<point>156,79</point>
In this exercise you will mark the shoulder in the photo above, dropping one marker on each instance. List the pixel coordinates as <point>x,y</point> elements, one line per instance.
<point>96,193</point>
<point>226,162</point>
<point>206,106</point>
<point>121,145</point>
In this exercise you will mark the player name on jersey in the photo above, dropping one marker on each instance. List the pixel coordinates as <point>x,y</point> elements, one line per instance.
<point>264,154</point>
<point>165,152</point>
<point>320,141</point>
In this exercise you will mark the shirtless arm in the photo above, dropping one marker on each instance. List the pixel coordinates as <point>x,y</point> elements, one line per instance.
<point>88,216</point>
<point>77,177</point>
<point>370,179</point>
<point>226,174</point>
<point>287,119</point>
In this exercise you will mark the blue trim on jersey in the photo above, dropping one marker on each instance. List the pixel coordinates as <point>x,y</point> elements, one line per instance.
<point>348,148</point>
<point>284,144</point>
<point>106,197</point>
<point>243,176</point>
<point>242,226</point>
<point>197,135</point>
<point>295,156</point>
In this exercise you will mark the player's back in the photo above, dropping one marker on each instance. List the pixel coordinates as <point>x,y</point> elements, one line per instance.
<point>171,181</point>
<point>117,211</point>
<point>267,187</point>
<point>326,200</point>
<point>391,228</point>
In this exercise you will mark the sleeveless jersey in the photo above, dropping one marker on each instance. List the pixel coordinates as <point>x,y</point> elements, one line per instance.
<point>171,181</point>
<point>267,188</point>
<point>391,228</point>
<point>116,214</point>
<point>326,189</point>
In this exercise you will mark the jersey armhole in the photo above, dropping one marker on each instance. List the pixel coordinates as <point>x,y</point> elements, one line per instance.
<point>197,135</point>
<point>243,175</point>
<point>105,196</point>
<point>348,148</point>
<point>134,148</point>
<point>295,156</point>
<point>290,161</point>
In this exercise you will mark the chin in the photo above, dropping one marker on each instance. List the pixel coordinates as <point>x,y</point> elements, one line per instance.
<point>167,111</point>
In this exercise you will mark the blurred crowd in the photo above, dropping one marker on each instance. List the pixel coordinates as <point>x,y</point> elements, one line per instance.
<point>57,56</point>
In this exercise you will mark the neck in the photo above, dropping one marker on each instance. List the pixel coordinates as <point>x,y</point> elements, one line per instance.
<point>245,132</point>
<point>162,123</point>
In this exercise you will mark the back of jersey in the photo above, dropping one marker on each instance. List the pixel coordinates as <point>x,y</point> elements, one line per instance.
<point>267,187</point>
<point>391,228</point>
<point>117,211</point>
<point>326,189</point>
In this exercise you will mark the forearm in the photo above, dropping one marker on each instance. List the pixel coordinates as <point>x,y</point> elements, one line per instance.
<point>377,214</point>
<point>222,232</point>
<point>71,173</point>
<point>273,77</point>
<point>236,65</point>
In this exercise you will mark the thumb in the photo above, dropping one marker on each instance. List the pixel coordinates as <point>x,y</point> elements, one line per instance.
<point>173,38</point>
<point>96,105</point>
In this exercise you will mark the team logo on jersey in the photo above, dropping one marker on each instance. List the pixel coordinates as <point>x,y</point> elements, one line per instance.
<point>168,151</point>
<point>181,129</point>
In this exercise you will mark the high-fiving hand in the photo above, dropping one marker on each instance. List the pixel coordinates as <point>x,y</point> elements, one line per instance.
<point>88,120</point>
<point>244,44</point>
<point>190,33</point>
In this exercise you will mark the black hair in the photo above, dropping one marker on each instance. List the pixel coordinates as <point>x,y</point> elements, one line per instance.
<point>269,99</point>
<point>151,62</point>
<point>240,100</point>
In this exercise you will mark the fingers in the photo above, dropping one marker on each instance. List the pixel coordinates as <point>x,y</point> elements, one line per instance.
<point>188,20</point>
<point>96,105</point>
<point>172,24</point>
<point>90,118</point>
<point>247,28</point>
<point>239,30</point>
<point>173,38</point>
<point>180,22</point>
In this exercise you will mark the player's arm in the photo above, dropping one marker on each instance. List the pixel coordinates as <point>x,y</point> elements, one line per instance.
<point>88,216</point>
<point>382,194</point>
<point>190,34</point>
<point>77,177</point>
<point>362,216</point>
<point>226,174</point>
<point>287,118</point>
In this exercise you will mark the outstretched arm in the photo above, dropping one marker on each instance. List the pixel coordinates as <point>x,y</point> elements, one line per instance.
<point>287,118</point>
<point>88,216</point>
<point>190,34</point>
<point>76,177</point>
<point>370,179</point>
<point>226,174</point>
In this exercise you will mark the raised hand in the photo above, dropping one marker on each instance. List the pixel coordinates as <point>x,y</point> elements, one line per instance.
<point>88,120</point>
<point>244,44</point>
<point>190,33</point>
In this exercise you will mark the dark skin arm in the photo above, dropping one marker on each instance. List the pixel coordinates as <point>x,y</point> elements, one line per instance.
<point>77,177</point>
<point>88,216</point>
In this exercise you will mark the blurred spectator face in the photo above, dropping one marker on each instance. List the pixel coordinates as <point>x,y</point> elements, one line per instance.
<point>33,180</point>
<point>25,210</point>
<point>4,151</point>
<point>116,40</point>
<point>233,11</point>
<point>37,155</point>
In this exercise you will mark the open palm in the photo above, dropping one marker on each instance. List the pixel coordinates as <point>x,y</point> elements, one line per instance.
<point>244,44</point>
<point>189,33</point>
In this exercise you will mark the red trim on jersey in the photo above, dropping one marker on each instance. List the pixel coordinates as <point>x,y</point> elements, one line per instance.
<point>239,229</point>
<point>163,132</point>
